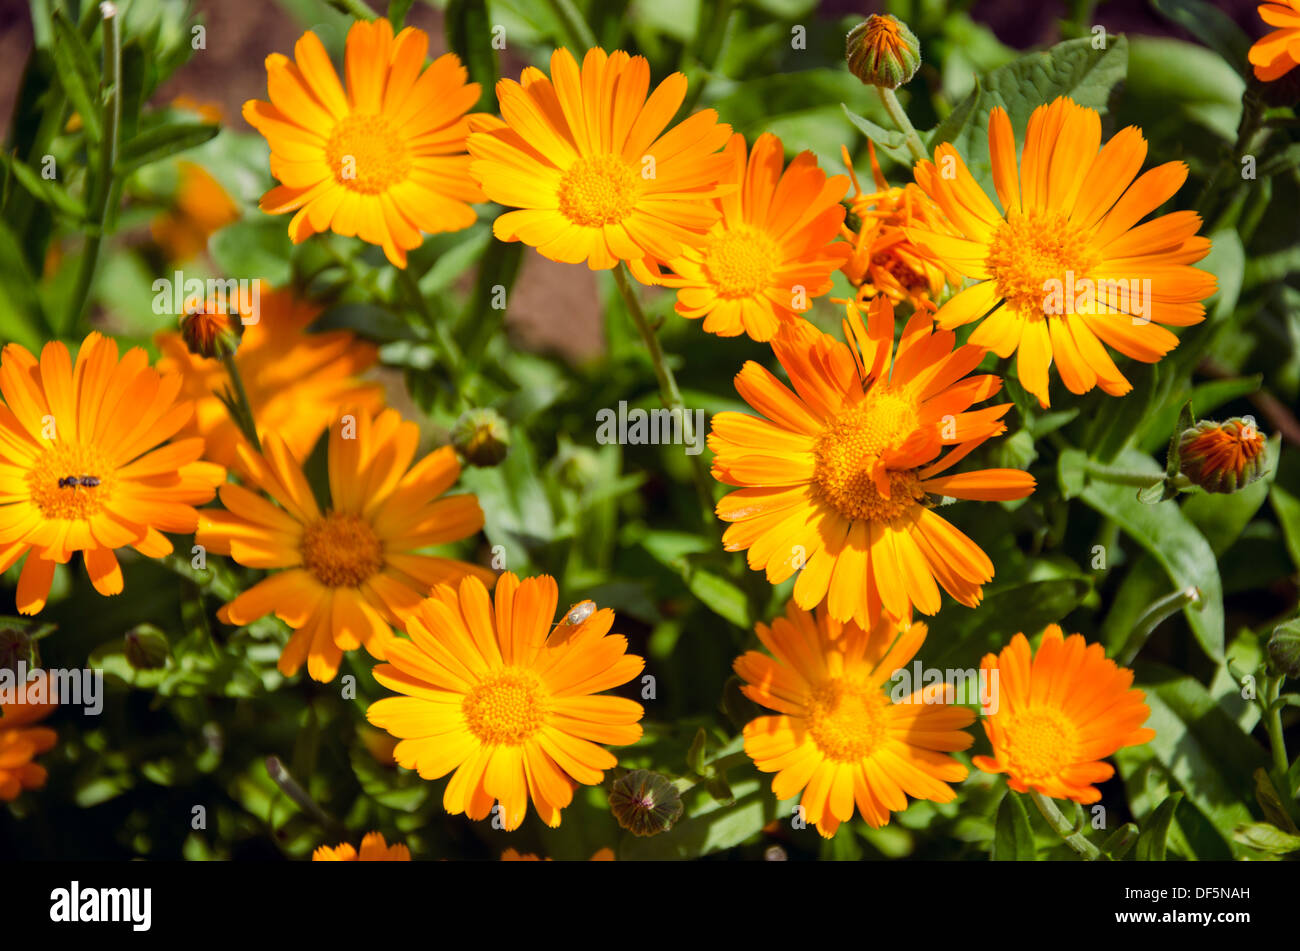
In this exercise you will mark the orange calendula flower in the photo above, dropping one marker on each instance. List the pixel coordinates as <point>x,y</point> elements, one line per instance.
<point>1065,269</point>
<point>772,251</point>
<point>1278,52</point>
<point>506,699</point>
<point>83,465</point>
<point>345,573</point>
<point>584,158</point>
<point>20,741</point>
<point>296,381</point>
<point>1059,714</point>
<point>884,260</point>
<point>374,848</point>
<point>1222,457</point>
<point>839,735</point>
<point>385,160</point>
<point>514,855</point>
<point>837,476</point>
<point>202,208</point>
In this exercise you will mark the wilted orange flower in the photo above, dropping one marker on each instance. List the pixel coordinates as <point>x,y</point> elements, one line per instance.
<point>1222,457</point>
<point>884,260</point>
<point>507,700</point>
<point>584,157</point>
<point>201,208</point>
<point>352,569</point>
<point>1278,52</point>
<point>837,476</point>
<point>383,161</point>
<point>83,466</point>
<point>1059,715</point>
<point>295,380</point>
<point>1065,267</point>
<point>772,251</point>
<point>840,737</point>
<point>20,742</point>
<point>373,849</point>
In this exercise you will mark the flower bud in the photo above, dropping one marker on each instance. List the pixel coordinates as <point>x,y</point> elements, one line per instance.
<point>882,51</point>
<point>15,646</point>
<point>210,334</point>
<point>1284,649</point>
<point>481,436</point>
<point>1222,457</point>
<point>147,648</point>
<point>645,803</point>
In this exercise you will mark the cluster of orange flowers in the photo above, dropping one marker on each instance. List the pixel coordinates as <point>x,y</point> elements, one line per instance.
<point>836,476</point>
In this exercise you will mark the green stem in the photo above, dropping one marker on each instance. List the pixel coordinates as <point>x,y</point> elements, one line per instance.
<point>1158,610</point>
<point>902,123</point>
<point>449,355</point>
<point>247,422</point>
<point>1276,738</point>
<point>1061,826</point>
<point>579,33</point>
<point>291,788</point>
<point>672,396</point>
<point>1128,477</point>
<point>710,35</point>
<point>1252,113</point>
<point>103,190</point>
<point>355,8</point>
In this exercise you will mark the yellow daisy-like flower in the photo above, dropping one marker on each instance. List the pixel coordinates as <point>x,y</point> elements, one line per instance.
<point>296,381</point>
<point>883,260</point>
<point>374,848</point>
<point>837,476</point>
<point>839,736</point>
<point>505,699</point>
<point>1065,267</point>
<point>83,465</point>
<point>1059,713</point>
<point>21,742</point>
<point>1278,52</point>
<point>584,158</point>
<point>383,161</point>
<point>772,251</point>
<point>345,573</point>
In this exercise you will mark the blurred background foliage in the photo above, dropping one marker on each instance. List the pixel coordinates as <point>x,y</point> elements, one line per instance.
<point>621,524</point>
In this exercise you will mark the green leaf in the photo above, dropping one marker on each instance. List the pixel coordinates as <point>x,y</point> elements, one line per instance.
<point>161,142</point>
<point>77,74</point>
<point>1211,26</point>
<point>889,141</point>
<point>256,247</point>
<point>956,121</point>
<point>1287,508</point>
<point>1169,537</point>
<point>1266,838</point>
<point>1200,745</point>
<point>1120,841</point>
<point>1073,68</point>
<point>44,189</point>
<point>1152,841</point>
<point>1013,839</point>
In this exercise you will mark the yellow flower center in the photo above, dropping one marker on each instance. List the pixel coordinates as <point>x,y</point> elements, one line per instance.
<point>70,481</point>
<point>1029,251</point>
<point>507,708</point>
<point>849,450</point>
<point>1040,742</point>
<point>741,262</point>
<point>598,190</point>
<point>847,719</point>
<point>341,550</point>
<point>366,154</point>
